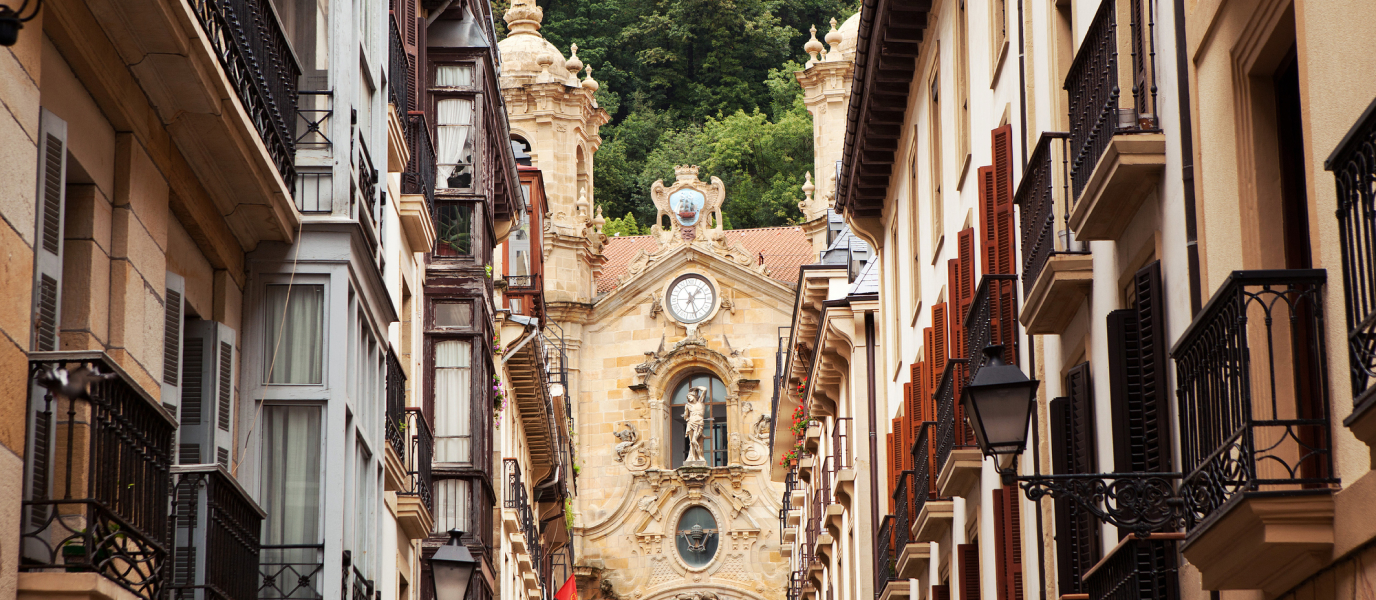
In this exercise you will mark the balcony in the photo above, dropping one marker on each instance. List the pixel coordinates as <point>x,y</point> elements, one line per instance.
<point>291,572</point>
<point>1137,569</point>
<point>887,585</point>
<point>843,485</point>
<point>1117,149</point>
<point>912,556</point>
<point>1255,440</point>
<point>395,425</point>
<point>518,522</point>
<point>415,501</point>
<point>1353,165</point>
<point>353,582</point>
<point>418,186</point>
<point>216,527</point>
<point>958,458</point>
<point>1057,271</point>
<point>98,459</point>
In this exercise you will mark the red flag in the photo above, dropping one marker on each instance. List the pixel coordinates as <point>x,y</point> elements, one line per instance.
<point>568,591</point>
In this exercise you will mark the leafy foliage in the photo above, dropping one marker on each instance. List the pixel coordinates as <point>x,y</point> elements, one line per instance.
<point>706,82</point>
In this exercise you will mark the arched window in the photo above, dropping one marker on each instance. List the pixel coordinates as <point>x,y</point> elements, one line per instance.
<point>714,430</point>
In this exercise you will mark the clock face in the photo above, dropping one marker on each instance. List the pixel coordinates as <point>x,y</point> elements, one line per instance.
<point>691,299</point>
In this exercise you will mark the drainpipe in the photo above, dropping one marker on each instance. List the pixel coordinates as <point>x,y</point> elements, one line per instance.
<point>872,388</point>
<point>1187,157</point>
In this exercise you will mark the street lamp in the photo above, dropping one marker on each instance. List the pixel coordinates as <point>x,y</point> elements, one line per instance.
<point>13,19</point>
<point>451,568</point>
<point>998,403</point>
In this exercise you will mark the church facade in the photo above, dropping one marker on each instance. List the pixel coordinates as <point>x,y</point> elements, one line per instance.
<point>645,320</point>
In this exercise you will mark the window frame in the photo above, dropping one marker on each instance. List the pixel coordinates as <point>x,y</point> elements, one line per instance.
<point>677,444</point>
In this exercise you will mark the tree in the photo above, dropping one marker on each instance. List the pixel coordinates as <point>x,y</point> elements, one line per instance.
<point>624,226</point>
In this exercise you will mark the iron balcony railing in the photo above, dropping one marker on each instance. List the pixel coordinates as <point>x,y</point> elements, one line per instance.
<point>924,458</point>
<point>367,178</point>
<point>992,320</point>
<point>96,473</point>
<point>523,282</point>
<point>1252,385</point>
<point>314,108</point>
<point>1096,108</point>
<point>1043,198</point>
<point>517,499</point>
<point>903,510</point>
<point>396,405</point>
<point>361,589</point>
<point>950,432</point>
<point>1354,170</point>
<point>1137,569</point>
<point>790,483</point>
<point>291,572</point>
<point>398,70</point>
<point>253,50</point>
<point>419,177</point>
<point>813,526</point>
<point>795,585</point>
<point>216,528</point>
<point>558,569</point>
<point>840,442</point>
<point>419,460</point>
<point>885,557</point>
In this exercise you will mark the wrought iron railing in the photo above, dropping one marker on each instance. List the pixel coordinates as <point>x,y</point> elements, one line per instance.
<point>790,484</point>
<point>97,478</point>
<point>1096,114</point>
<point>315,191</point>
<point>903,515</point>
<point>216,529</point>
<point>885,556</point>
<point>951,433</point>
<point>396,405</point>
<point>421,457</point>
<point>523,282</point>
<point>1138,569</point>
<point>291,571</point>
<point>1251,382</point>
<point>795,585</point>
<point>419,177</point>
<point>1354,169</point>
<point>314,108</point>
<point>558,569</point>
<point>992,320</point>
<point>253,50</point>
<point>924,458</point>
<point>1046,233</point>
<point>840,442</point>
<point>367,178</point>
<point>517,499</point>
<point>816,506</point>
<point>398,70</point>
<point>361,589</point>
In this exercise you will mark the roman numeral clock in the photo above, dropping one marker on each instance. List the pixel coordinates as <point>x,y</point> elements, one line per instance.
<point>691,299</point>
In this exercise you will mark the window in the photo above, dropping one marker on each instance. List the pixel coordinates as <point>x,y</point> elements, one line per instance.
<point>454,152</point>
<point>934,151</point>
<point>454,229</point>
<point>518,247</point>
<point>713,430</point>
<point>293,352</point>
<point>452,505</point>
<point>460,76</point>
<point>453,314</point>
<point>696,536</point>
<point>453,406</point>
<point>962,89</point>
<point>364,497</point>
<point>998,34</point>
<point>291,475</point>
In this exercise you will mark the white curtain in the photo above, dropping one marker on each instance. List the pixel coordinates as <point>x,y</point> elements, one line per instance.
<point>453,410</point>
<point>291,475</point>
<point>454,76</point>
<point>363,510</point>
<point>455,122</point>
<point>296,313</point>
<point>451,505</point>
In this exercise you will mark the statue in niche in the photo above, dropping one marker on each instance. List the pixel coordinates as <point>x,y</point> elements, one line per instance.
<point>693,416</point>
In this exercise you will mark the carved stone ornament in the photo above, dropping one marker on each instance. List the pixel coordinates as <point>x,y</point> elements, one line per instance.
<point>656,306</point>
<point>630,444</point>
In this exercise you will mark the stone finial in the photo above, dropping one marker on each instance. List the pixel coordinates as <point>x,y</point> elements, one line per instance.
<point>806,204</point>
<point>573,64</point>
<point>582,204</point>
<point>685,172</point>
<point>598,221</point>
<point>813,48</point>
<point>524,17</point>
<point>589,83</point>
<point>834,36</point>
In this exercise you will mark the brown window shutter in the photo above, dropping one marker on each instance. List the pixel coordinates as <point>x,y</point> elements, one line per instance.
<point>1001,549</point>
<point>954,268</point>
<point>1003,198</point>
<point>1078,533</point>
<point>905,441</point>
<point>1013,533</point>
<point>939,350</point>
<point>969,571</point>
<point>929,341</point>
<point>1077,386</point>
<point>965,242</point>
<point>1151,380</point>
<point>893,473</point>
<point>941,592</point>
<point>988,221</point>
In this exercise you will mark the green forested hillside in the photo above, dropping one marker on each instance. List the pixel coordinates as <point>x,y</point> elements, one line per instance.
<point>708,82</point>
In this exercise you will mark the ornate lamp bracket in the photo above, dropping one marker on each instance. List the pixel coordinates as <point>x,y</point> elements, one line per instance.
<point>1142,503</point>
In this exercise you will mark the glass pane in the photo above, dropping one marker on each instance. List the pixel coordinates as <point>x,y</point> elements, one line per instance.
<point>451,505</point>
<point>295,334</point>
<point>453,391</point>
<point>715,443</point>
<point>291,475</point>
<point>453,314</point>
<point>696,536</point>
<point>454,148</point>
<point>454,76</point>
<point>454,225</point>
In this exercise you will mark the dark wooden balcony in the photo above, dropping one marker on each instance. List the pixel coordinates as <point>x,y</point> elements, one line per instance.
<point>1057,270</point>
<point>216,529</point>
<point>1254,432</point>
<point>1116,146</point>
<point>97,474</point>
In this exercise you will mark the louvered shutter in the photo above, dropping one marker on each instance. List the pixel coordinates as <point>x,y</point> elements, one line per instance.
<point>965,246</point>
<point>909,435</point>
<point>929,350</point>
<point>1150,380</point>
<point>207,409</point>
<point>1007,543</point>
<point>999,501</point>
<point>940,351</point>
<point>988,221</point>
<point>892,470</point>
<point>173,311</point>
<point>1003,200</point>
<point>1078,533</point>
<point>955,315</point>
<point>969,571</point>
<point>49,215</point>
<point>941,592</point>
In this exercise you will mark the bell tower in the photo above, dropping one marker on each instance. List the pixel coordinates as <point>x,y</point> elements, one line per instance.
<point>826,82</point>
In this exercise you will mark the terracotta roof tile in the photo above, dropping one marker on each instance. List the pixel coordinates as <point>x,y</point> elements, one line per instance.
<point>784,249</point>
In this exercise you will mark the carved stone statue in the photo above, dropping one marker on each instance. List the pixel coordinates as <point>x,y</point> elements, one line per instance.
<point>629,437</point>
<point>693,416</point>
<point>762,428</point>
